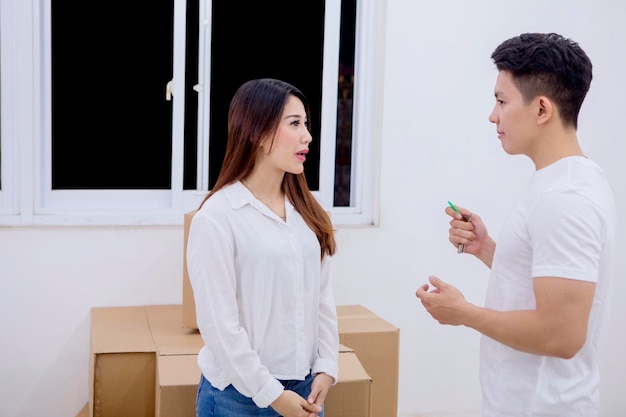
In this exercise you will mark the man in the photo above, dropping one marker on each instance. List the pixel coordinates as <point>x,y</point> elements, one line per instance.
<point>551,270</point>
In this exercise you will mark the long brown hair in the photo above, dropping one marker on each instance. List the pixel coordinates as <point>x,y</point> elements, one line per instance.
<point>255,111</point>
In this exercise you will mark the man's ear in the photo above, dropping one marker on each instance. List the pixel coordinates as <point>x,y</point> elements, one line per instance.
<point>545,109</point>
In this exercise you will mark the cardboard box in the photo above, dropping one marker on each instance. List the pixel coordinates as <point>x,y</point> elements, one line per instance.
<point>376,342</point>
<point>170,338</point>
<point>189,304</point>
<point>177,385</point>
<point>352,395</point>
<point>177,362</point>
<point>146,365</point>
<point>178,376</point>
<point>125,344</point>
<point>121,371</point>
<point>84,412</point>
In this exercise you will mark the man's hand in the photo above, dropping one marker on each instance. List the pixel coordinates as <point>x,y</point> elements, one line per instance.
<point>444,302</point>
<point>468,229</point>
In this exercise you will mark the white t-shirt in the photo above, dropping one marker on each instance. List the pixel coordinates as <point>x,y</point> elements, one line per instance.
<point>563,225</point>
<point>264,300</point>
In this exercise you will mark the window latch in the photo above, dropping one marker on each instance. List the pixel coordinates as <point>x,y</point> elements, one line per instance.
<point>169,90</point>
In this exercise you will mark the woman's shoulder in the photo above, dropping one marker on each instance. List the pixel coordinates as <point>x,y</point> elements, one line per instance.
<point>223,201</point>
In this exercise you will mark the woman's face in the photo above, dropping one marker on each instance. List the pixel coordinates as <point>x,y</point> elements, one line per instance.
<point>287,152</point>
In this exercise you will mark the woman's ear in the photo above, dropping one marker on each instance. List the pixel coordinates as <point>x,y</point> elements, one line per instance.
<point>266,144</point>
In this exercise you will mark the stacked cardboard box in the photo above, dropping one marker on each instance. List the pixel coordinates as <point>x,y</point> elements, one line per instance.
<point>144,364</point>
<point>121,372</point>
<point>127,346</point>
<point>377,345</point>
<point>177,377</point>
<point>189,304</point>
<point>352,395</point>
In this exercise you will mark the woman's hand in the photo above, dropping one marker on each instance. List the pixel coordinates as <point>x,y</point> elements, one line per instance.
<point>290,404</point>
<point>319,389</point>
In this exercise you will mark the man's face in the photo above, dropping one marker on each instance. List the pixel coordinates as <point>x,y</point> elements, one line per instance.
<point>515,121</point>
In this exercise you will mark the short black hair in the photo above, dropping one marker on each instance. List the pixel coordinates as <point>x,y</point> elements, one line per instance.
<point>547,64</point>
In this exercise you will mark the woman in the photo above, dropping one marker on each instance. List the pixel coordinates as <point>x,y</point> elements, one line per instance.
<point>258,256</point>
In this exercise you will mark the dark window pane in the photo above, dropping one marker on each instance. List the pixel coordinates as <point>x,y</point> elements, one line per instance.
<point>265,40</point>
<point>191,96</point>
<point>111,124</point>
<point>343,150</point>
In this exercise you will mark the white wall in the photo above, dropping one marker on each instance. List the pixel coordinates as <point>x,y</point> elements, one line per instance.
<point>437,145</point>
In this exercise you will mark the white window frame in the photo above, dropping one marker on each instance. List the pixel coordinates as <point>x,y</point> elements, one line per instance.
<point>27,197</point>
<point>10,103</point>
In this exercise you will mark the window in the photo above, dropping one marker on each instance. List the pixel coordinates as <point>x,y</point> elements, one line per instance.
<point>127,125</point>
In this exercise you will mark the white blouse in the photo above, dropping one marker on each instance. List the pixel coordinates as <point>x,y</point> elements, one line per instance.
<point>264,301</point>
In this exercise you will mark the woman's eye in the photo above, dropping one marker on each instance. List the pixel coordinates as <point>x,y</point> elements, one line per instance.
<point>298,122</point>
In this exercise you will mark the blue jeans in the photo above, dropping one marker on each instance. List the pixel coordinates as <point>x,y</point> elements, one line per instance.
<point>211,402</point>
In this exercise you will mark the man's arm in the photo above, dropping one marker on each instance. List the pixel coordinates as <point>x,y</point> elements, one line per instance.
<point>557,327</point>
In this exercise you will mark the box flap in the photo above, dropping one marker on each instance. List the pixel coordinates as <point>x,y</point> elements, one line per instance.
<point>120,329</point>
<point>353,310</point>
<point>178,370</point>
<point>169,336</point>
<point>358,319</point>
<point>351,369</point>
<point>344,348</point>
<point>352,395</point>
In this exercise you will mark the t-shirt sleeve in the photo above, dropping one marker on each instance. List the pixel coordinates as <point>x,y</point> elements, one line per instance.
<point>566,233</point>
